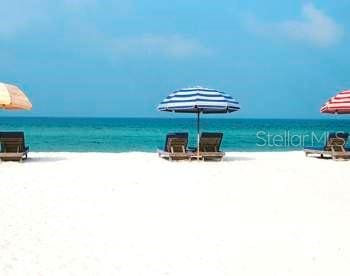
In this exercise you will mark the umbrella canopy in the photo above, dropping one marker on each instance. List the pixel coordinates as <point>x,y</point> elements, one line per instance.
<point>11,97</point>
<point>199,100</point>
<point>339,104</point>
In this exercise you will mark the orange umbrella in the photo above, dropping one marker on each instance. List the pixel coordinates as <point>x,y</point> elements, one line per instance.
<point>11,97</point>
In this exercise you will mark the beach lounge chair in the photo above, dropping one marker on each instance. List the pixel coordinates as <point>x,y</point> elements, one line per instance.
<point>209,146</point>
<point>13,146</point>
<point>338,149</point>
<point>175,147</point>
<point>335,147</point>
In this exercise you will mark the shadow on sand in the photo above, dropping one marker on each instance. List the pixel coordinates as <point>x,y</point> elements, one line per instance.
<point>44,159</point>
<point>238,158</point>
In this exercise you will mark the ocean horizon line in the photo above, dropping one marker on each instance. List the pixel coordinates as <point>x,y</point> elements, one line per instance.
<point>178,118</point>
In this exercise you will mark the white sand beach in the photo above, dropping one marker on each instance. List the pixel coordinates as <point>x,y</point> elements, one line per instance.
<point>135,214</point>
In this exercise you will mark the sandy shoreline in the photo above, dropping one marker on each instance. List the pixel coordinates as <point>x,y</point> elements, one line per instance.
<point>135,214</point>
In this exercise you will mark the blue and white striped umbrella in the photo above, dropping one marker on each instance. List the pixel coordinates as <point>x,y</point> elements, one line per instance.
<point>199,100</point>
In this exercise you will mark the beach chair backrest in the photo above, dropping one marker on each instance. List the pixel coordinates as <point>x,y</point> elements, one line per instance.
<point>337,145</point>
<point>210,142</point>
<point>336,142</point>
<point>12,141</point>
<point>336,139</point>
<point>176,142</point>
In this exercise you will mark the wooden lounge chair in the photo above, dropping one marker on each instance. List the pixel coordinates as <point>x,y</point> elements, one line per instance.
<point>338,150</point>
<point>13,146</point>
<point>334,148</point>
<point>209,146</point>
<point>175,147</point>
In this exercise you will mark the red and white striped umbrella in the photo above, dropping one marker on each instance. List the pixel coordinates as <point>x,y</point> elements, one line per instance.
<point>339,104</point>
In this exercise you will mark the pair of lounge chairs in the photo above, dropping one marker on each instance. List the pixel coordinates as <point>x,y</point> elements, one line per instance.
<point>176,147</point>
<point>12,146</point>
<point>334,147</point>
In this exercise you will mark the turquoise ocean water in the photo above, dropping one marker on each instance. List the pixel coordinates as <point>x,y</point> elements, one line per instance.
<point>146,134</point>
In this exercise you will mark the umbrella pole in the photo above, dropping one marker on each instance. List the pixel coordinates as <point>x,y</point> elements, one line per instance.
<point>198,113</point>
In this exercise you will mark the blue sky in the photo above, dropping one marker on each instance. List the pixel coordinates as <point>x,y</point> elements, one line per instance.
<point>280,59</point>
